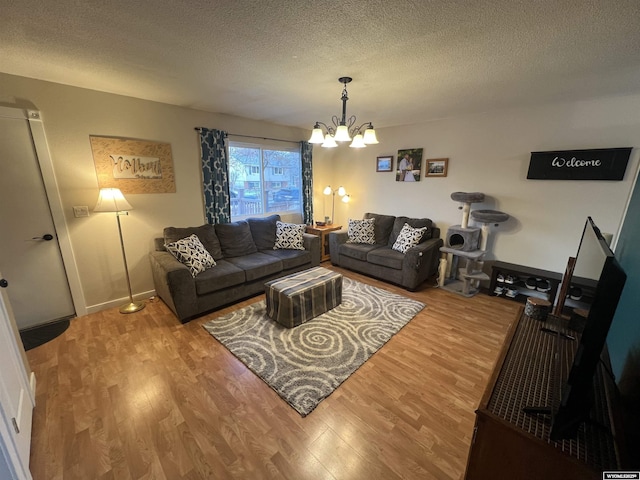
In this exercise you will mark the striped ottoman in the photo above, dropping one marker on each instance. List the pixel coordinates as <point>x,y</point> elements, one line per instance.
<point>299,297</point>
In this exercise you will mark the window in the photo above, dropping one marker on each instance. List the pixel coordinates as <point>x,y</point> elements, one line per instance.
<point>264,180</point>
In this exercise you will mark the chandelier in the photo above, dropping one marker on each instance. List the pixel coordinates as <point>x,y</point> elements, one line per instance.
<point>343,129</point>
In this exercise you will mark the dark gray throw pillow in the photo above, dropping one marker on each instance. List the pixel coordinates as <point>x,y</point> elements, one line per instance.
<point>382,227</point>
<point>205,233</point>
<point>263,231</point>
<point>235,238</point>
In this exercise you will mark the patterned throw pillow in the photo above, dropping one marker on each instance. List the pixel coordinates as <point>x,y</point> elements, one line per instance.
<point>409,237</point>
<point>289,236</point>
<point>362,231</point>
<point>192,253</point>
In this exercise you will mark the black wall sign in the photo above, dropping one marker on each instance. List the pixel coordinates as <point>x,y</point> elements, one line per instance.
<point>595,164</point>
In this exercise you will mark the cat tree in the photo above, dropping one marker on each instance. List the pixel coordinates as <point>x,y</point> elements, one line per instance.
<point>469,244</point>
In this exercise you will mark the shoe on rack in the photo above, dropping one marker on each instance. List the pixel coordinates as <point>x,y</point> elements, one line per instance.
<point>531,283</point>
<point>511,292</point>
<point>499,290</point>
<point>511,279</point>
<point>500,278</point>
<point>543,285</point>
<point>575,293</point>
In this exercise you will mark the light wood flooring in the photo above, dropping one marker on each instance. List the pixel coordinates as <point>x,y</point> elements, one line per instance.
<point>142,396</point>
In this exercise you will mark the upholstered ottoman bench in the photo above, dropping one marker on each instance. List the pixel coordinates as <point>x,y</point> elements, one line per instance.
<point>299,297</point>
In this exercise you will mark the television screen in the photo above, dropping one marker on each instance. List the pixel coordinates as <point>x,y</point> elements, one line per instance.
<point>594,262</point>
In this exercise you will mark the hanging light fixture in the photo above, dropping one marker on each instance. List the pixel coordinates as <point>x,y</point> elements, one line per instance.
<point>343,129</point>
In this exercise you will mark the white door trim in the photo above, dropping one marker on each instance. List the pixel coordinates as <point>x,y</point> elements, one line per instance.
<point>55,202</point>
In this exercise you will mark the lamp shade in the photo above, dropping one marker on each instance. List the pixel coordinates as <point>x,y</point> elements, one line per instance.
<point>370,136</point>
<point>112,200</point>
<point>358,141</point>
<point>341,191</point>
<point>327,190</point>
<point>329,142</point>
<point>342,134</point>
<point>316,136</point>
<point>346,198</point>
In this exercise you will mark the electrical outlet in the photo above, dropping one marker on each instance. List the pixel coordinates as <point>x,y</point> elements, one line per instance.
<point>82,211</point>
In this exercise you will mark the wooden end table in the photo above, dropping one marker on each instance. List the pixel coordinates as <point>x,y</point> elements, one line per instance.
<point>323,233</point>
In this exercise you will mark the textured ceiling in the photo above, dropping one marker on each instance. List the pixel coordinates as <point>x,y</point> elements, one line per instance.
<point>279,61</point>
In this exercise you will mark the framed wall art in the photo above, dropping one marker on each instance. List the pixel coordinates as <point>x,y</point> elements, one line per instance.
<point>409,165</point>
<point>384,164</point>
<point>133,166</point>
<point>437,167</point>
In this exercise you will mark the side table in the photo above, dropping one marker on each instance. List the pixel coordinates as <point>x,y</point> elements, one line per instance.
<point>323,233</point>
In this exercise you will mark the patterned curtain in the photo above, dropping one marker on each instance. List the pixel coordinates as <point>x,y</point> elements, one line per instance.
<point>215,176</point>
<point>306,149</point>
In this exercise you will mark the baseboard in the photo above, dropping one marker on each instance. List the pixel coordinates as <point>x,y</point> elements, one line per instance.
<point>119,302</point>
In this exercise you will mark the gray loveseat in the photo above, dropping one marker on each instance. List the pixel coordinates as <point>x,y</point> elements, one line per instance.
<point>379,260</point>
<point>245,260</point>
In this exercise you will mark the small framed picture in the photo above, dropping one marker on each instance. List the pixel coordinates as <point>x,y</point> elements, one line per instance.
<point>384,164</point>
<point>437,167</point>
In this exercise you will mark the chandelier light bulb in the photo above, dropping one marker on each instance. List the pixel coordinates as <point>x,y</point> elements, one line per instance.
<point>317,136</point>
<point>329,142</point>
<point>370,136</point>
<point>342,134</point>
<point>358,142</point>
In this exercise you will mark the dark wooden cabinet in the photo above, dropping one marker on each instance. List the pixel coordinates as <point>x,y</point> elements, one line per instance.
<point>323,233</point>
<point>509,443</point>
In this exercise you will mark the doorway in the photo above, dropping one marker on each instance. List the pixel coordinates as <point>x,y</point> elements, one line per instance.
<point>30,251</point>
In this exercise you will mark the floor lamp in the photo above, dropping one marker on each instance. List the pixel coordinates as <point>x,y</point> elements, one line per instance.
<point>329,191</point>
<point>112,200</point>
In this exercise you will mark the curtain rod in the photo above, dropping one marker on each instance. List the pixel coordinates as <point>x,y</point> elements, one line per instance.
<point>251,136</point>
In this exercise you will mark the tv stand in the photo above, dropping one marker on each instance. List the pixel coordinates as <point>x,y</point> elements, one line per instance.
<point>510,442</point>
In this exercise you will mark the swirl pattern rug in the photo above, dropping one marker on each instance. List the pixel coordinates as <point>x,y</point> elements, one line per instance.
<point>305,364</point>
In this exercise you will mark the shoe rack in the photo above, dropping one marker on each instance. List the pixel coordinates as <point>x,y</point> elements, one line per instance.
<point>518,282</point>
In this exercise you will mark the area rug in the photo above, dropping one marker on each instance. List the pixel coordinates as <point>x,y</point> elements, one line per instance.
<point>305,364</point>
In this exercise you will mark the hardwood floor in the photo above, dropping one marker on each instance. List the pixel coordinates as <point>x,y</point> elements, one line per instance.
<point>142,396</point>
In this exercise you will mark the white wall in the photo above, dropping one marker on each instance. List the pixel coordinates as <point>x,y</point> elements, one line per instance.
<point>70,115</point>
<point>490,153</point>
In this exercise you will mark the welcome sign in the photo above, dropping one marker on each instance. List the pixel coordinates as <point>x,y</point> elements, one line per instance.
<point>594,164</point>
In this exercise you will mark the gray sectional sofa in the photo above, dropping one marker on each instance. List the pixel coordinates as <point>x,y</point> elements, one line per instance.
<point>379,260</point>
<point>245,260</point>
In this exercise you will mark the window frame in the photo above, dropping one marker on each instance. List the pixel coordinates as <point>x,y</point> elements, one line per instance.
<point>265,184</point>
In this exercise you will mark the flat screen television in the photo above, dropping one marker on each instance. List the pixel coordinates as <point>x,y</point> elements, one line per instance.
<point>595,262</point>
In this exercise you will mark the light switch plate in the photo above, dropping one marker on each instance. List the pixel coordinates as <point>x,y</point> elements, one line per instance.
<point>82,211</point>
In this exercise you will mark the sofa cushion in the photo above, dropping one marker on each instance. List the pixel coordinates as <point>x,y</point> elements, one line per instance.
<point>192,253</point>
<point>290,258</point>
<point>263,231</point>
<point>235,239</point>
<point>206,233</point>
<point>361,231</point>
<point>289,236</point>
<point>382,227</point>
<point>358,251</point>
<point>224,275</point>
<point>386,257</point>
<point>257,265</point>
<point>415,223</point>
<point>409,237</point>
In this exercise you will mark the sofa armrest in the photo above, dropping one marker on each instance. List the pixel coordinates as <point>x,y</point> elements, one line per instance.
<point>420,262</point>
<point>335,240</point>
<point>312,244</point>
<point>174,284</point>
